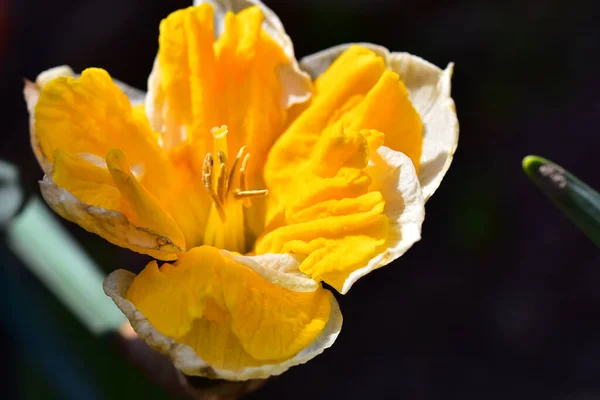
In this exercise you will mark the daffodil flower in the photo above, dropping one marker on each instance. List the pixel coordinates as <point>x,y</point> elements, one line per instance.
<point>259,176</point>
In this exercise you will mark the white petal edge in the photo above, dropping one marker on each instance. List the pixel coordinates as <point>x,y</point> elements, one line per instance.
<point>394,175</point>
<point>296,84</point>
<point>31,92</point>
<point>111,225</point>
<point>280,269</point>
<point>183,356</point>
<point>429,91</point>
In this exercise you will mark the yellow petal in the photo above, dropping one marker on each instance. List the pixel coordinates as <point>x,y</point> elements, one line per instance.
<point>326,199</point>
<point>88,182</point>
<point>139,205</point>
<point>89,116</point>
<point>388,109</point>
<point>356,92</point>
<point>86,196</point>
<point>198,83</point>
<point>187,69</point>
<point>297,87</point>
<point>327,212</point>
<point>236,322</point>
<point>92,115</point>
<point>429,91</point>
<point>31,92</point>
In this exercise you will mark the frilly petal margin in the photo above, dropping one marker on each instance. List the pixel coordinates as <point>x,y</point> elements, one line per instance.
<point>281,269</point>
<point>183,356</point>
<point>429,91</point>
<point>111,225</point>
<point>393,174</point>
<point>297,83</point>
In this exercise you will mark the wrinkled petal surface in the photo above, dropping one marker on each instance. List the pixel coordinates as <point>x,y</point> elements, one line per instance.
<point>328,202</point>
<point>201,83</point>
<point>429,91</point>
<point>226,319</point>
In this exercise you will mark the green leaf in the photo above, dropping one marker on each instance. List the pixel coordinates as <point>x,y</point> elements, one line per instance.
<point>54,256</point>
<point>11,193</point>
<point>577,200</point>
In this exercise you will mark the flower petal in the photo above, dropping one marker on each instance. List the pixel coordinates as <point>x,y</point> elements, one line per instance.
<point>214,317</point>
<point>359,93</point>
<point>351,206</point>
<point>31,92</point>
<point>295,82</point>
<point>280,269</point>
<point>324,200</point>
<point>91,115</point>
<point>86,194</point>
<point>429,91</point>
<point>244,79</point>
<point>245,69</point>
<point>394,175</point>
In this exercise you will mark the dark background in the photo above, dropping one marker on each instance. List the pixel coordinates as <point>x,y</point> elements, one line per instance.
<point>500,299</point>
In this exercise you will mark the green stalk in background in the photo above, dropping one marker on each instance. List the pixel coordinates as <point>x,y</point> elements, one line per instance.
<point>577,200</point>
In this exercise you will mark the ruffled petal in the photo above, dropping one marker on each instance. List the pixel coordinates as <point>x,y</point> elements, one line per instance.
<point>85,193</point>
<point>216,317</point>
<point>75,124</point>
<point>91,115</point>
<point>226,65</point>
<point>31,92</point>
<point>327,201</point>
<point>296,84</point>
<point>394,176</point>
<point>351,207</point>
<point>429,91</point>
<point>217,68</point>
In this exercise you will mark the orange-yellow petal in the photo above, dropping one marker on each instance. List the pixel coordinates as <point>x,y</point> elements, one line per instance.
<point>92,115</point>
<point>236,80</point>
<point>199,83</point>
<point>85,193</point>
<point>429,91</point>
<point>231,316</point>
<point>327,212</point>
<point>140,206</point>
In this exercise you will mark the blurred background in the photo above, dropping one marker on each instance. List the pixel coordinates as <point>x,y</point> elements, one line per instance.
<point>500,299</point>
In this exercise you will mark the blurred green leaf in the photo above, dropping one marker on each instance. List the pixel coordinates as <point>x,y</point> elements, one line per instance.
<point>54,257</point>
<point>577,200</point>
<point>11,193</point>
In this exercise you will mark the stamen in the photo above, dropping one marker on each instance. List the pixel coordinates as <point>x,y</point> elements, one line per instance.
<point>244,179</point>
<point>207,178</point>
<point>222,183</point>
<point>250,194</point>
<point>222,177</point>
<point>234,170</point>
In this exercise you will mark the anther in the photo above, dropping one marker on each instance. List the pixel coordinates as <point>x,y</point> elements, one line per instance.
<point>207,167</point>
<point>244,179</point>
<point>222,177</point>
<point>234,168</point>
<point>250,194</point>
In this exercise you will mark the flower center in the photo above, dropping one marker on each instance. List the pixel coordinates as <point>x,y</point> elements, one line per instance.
<point>228,187</point>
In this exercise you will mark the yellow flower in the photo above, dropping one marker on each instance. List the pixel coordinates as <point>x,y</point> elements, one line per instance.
<point>260,176</point>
